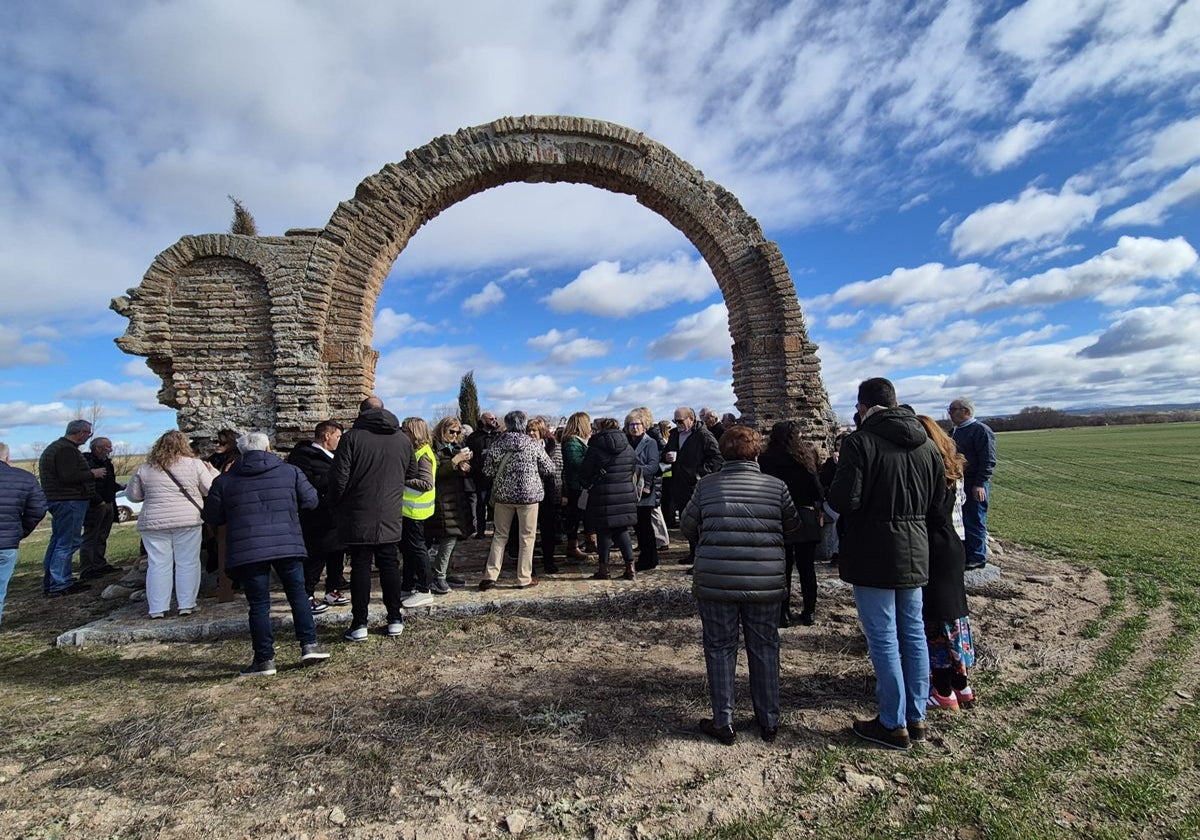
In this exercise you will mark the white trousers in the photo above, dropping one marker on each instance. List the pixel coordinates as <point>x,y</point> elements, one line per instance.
<point>174,558</point>
<point>660,526</point>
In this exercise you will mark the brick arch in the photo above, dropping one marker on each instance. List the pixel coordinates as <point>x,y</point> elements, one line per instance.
<point>305,354</point>
<point>776,373</point>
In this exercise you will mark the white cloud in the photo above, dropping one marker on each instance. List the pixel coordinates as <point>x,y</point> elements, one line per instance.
<point>603,289</point>
<point>1036,216</point>
<point>548,340</point>
<point>390,325</point>
<point>1148,328</point>
<point>1154,209</point>
<point>138,369</point>
<point>536,388</point>
<point>487,298</point>
<point>1074,49</point>
<point>1132,259</point>
<point>14,351</point>
<point>1036,30</point>
<point>843,320</point>
<point>620,374</point>
<point>1015,144</point>
<point>1172,147</point>
<point>664,395</point>
<point>929,282</point>
<point>139,394</point>
<point>24,414</point>
<point>702,335</point>
<point>423,370</point>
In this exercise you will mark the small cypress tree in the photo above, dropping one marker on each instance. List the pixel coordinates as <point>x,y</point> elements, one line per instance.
<point>243,222</point>
<point>468,400</point>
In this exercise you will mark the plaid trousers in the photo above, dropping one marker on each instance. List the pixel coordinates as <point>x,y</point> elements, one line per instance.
<point>759,623</point>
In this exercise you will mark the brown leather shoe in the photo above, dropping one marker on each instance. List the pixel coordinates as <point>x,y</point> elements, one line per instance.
<point>532,583</point>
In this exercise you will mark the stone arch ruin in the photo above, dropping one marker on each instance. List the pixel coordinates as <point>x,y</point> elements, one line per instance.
<point>274,333</point>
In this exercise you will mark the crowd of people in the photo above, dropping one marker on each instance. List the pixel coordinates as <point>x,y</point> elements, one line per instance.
<point>898,505</point>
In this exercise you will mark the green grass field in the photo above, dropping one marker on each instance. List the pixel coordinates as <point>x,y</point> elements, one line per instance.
<point>1125,499</point>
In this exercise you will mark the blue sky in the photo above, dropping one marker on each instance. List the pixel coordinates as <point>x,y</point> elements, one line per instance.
<point>984,198</point>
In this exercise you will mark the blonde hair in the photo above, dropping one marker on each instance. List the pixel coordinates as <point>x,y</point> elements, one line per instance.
<point>538,425</point>
<point>578,425</point>
<point>439,430</point>
<point>170,447</point>
<point>418,430</point>
<point>951,457</point>
<point>643,416</point>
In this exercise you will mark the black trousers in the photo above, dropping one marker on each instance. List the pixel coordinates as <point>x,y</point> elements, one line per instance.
<point>387,557</point>
<point>415,575</point>
<point>802,556</point>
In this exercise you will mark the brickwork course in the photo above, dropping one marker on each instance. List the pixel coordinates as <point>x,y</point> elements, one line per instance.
<point>274,332</point>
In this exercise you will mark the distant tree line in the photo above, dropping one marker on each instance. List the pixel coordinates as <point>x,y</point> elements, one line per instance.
<point>1043,417</point>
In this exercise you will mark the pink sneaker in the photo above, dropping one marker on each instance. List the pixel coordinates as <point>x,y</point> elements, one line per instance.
<point>966,697</point>
<point>939,701</point>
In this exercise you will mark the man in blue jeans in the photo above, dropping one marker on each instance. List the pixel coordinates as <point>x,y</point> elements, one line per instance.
<point>259,500</point>
<point>22,507</point>
<point>69,485</point>
<point>977,443</point>
<point>889,477</point>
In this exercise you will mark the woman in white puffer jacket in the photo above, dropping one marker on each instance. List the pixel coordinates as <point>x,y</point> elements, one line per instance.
<point>172,485</point>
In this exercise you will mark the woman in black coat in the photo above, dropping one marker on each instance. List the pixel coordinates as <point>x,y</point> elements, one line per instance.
<point>607,473</point>
<point>451,520</point>
<point>947,626</point>
<point>794,461</point>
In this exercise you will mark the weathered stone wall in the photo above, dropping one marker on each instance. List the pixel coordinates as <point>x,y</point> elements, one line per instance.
<point>309,339</point>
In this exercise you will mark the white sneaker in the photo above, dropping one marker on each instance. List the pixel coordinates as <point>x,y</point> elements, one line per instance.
<point>395,628</point>
<point>417,599</point>
<point>356,634</point>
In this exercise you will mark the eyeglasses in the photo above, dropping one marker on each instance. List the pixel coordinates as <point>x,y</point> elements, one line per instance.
<point>678,419</point>
<point>454,431</point>
<point>633,425</point>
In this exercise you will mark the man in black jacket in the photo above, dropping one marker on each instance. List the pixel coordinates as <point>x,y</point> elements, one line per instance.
<point>98,522</point>
<point>366,494</point>
<point>977,443</point>
<point>67,481</point>
<point>890,477</point>
<point>325,552</point>
<point>479,442</point>
<point>693,453</point>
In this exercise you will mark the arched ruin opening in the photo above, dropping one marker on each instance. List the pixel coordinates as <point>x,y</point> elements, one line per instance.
<point>321,286</point>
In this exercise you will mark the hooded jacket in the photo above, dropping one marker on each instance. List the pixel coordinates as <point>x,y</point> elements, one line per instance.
<point>366,485</point>
<point>890,478</point>
<point>259,499</point>
<point>611,500</point>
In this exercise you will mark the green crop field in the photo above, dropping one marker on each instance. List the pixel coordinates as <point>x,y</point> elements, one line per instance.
<point>1125,499</point>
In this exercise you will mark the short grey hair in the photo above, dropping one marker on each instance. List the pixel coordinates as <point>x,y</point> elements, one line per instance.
<point>4,453</point>
<point>514,421</point>
<point>77,426</point>
<point>253,442</point>
<point>967,403</point>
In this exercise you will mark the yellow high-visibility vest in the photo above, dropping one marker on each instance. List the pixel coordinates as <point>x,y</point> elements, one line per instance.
<point>418,505</point>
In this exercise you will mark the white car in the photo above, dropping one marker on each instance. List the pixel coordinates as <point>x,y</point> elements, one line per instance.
<point>127,509</point>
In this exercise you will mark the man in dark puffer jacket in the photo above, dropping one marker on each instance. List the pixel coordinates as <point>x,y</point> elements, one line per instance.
<point>22,507</point>
<point>740,519</point>
<point>890,477</point>
<point>259,500</point>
